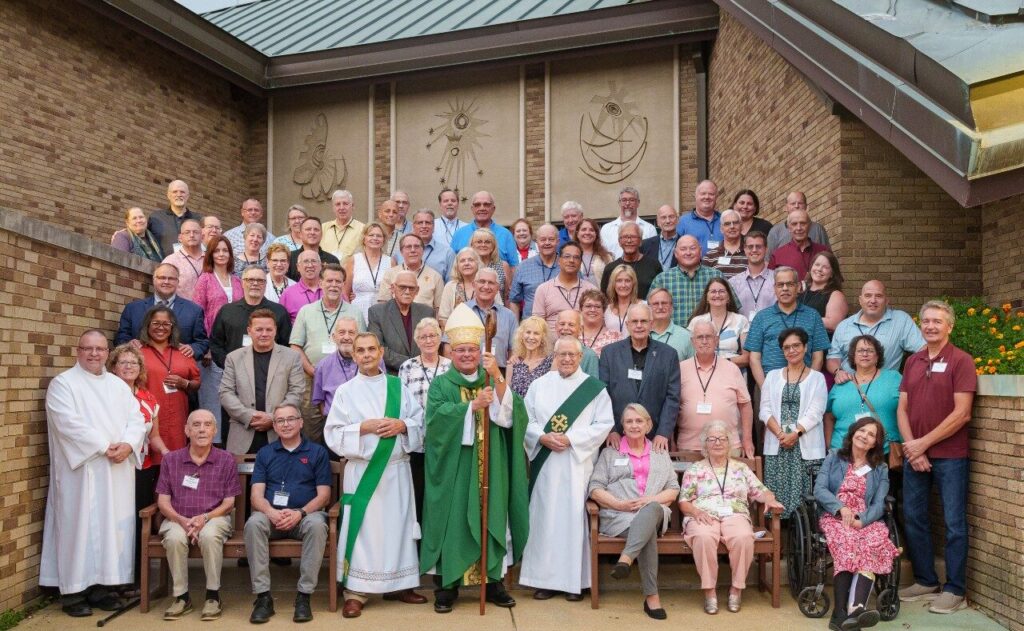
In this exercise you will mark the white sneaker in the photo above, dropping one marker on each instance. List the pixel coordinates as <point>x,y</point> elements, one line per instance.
<point>918,592</point>
<point>948,602</point>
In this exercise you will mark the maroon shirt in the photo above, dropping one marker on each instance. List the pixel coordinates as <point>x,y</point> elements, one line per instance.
<point>930,398</point>
<point>218,479</point>
<point>790,255</point>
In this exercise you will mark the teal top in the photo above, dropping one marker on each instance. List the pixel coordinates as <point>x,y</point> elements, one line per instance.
<point>846,406</point>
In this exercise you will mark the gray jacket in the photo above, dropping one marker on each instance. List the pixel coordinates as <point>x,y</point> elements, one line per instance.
<point>830,478</point>
<point>616,478</point>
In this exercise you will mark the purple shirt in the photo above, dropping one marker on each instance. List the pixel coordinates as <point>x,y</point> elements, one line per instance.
<point>331,372</point>
<point>218,479</point>
<point>298,296</point>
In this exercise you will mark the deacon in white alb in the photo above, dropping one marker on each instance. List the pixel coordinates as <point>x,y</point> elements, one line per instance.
<point>380,555</point>
<point>570,417</point>
<point>95,432</point>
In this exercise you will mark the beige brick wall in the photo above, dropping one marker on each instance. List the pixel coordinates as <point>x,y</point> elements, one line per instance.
<point>687,126</point>
<point>381,145</point>
<point>536,194</point>
<point>96,119</point>
<point>1002,267</point>
<point>48,296</point>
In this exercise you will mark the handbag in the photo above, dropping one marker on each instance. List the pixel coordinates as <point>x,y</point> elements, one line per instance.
<point>895,449</point>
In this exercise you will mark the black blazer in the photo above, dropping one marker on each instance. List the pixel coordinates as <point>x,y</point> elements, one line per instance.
<point>651,248</point>
<point>659,387</point>
<point>385,321</point>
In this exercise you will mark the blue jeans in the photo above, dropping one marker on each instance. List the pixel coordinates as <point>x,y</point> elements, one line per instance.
<point>950,476</point>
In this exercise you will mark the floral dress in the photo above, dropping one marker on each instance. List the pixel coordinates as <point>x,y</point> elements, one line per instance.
<point>702,485</point>
<point>522,376</point>
<point>855,550</point>
<point>786,474</point>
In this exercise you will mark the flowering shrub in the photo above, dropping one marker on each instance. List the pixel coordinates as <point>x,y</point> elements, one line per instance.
<point>994,336</point>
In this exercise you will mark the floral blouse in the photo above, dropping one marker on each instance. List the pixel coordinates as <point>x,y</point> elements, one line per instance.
<point>702,487</point>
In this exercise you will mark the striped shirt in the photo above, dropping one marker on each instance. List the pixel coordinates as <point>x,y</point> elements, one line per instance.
<point>769,323</point>
<point>685,289</point>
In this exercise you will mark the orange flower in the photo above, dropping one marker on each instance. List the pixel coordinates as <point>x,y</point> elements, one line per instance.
<point>977,360</point>
<point>1007,307</point>
<point>1019,344</point>
<point>993,320</point>
<point>986,311</point>
<point>970,312</point>
<point>1002,348</point>
<point>980,371</point>
<point>991,370</point>
<point>992,330</point>
<point>1016,327</point>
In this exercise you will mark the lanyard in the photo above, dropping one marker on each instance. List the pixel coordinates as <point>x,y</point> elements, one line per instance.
<point>170,358</point>
<point>586,267</point>
<point>750,288</point>
<point>430,377</point>
<point>544,268</point>
<point>725,477</point>
<point>667,258</point>
<point>341,365</point>
<point>566,293</point>
<point>871,329</point>
<point>307,292</point>
<point>593,340</point>
<point>704,386</point>
<point>864,393</point>
<point>373,275</point>
<point>423,266</point>
<point>190,264</point>
<point>328,323</point>
<point>783,316</point>
<point>343,233</point>
<point>450,229</point>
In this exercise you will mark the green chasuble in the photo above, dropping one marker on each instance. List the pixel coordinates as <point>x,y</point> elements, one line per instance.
<point>451,503</point>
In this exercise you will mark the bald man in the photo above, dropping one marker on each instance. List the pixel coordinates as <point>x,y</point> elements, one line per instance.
<point>165,223</point>
<point>686,281</point>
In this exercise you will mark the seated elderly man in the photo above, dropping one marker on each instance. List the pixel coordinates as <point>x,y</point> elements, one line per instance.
<point>711,387</point>
<point>634,486</point>
<point>715,511</point>
<point>196,494</point>
<point>291,486</point>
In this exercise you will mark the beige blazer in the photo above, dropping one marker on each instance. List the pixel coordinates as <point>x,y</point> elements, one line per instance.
<point>286,383</point>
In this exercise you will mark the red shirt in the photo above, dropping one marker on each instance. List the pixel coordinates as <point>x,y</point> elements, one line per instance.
<point>149,408</point>
<point>790,255</point>
<point>930,396</point>
<point>173,405</point>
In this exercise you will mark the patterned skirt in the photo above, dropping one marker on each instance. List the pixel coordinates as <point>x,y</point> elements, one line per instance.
<point>786,476</point>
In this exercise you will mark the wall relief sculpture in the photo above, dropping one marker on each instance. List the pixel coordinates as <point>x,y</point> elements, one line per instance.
<point>613,136</point>
<point>461,133</point>
<point>319,173</point>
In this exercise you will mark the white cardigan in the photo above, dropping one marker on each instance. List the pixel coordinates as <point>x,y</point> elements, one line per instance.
<point>813,396</point>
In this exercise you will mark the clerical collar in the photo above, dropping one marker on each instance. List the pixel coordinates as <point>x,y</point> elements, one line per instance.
<point>469,376</point>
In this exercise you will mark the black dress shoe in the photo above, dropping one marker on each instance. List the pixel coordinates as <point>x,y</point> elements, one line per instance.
<point>79,609</point>
<point>657,614</point>
<point>573,598</point>
<point>443,605</point>
<point>110,602</point>
<point>621,570</point>
<point>860,619</point>
<point>281,562</point>
<point>303,612</point>
<point>498,596</point>
<point>262,609</point>
<point>543,594</point>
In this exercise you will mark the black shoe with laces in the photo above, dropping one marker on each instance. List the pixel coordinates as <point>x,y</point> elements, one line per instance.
<point>497,595</point>
<point>262,609</point>
<point>303,612</point>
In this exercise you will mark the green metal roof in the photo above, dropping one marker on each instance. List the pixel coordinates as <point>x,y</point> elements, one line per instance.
<point>285,27</point>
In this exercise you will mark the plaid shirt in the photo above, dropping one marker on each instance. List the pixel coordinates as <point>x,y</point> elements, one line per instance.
<point>218,479</point>
<point>685,289</point>
<point>529,275</point>
<point>417,377</point>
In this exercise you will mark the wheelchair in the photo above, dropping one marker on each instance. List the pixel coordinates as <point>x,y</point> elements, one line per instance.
<point>809,562</point>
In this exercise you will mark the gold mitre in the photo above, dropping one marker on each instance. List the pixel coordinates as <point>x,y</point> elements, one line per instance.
<point>464,327</point>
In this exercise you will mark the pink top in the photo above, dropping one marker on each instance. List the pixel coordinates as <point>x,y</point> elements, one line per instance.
<point>298,296</point>
<point>641,464</point>
<point>209,295</point>
<point>726,392</point>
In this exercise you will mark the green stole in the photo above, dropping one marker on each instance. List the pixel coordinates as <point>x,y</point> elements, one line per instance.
<point>563,418</point>
<point>358,501</point>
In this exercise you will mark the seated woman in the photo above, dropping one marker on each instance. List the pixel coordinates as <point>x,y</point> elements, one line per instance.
<point>851,489</point>
<point>135,237</point>
<point>634,486</point>
<point>715,502</point>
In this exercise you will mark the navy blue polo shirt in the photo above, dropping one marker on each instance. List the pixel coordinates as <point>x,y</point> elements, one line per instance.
<point>297,472</point>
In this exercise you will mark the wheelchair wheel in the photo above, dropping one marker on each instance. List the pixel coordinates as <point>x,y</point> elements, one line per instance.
<point>813,602</point>
<point>796,555</point>
<point>888,604</point>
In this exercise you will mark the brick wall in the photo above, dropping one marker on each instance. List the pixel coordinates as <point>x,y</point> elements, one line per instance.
<point>48,296</point>
<point>536,194</point>
<point>381,145</point>
<point>687,126</point>
<point>1002,268</point>
<point>96,118</point>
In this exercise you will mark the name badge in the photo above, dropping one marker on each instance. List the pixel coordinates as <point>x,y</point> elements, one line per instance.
<point>725,510</point>
<point>863,470</point>
<point>724,260</point>
<point>169,389</point>
<point>712,244</point>
<point>328,348</point>
<point>939,367</point>
<point>246,340</point>
<point>190,482</point>
<point>704,408</point>
<point>622,462</point>
<point>280,498</point>
<point>635,374</point>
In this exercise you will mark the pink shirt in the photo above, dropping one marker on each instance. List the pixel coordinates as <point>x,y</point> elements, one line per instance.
<point>726,390</point>
<point>552,298</point>
<point>641,464</point>
<point>189,271</point>
<point>298,296</point>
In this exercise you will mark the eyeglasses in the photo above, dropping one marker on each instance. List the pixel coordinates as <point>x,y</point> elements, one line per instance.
<point>730,223</point>
<point>572,257</point>
<point>866,351</point>
<point>255,281</point>
<point>127,362</point>
<point>406,288</point>
<point>716,440</point>
<point>428,336</point>
<point>792,347</point>
<point>628,200</point>
<point>703,338</point>
<point>567,354</point>
<point>160,325</point>
<point>287,420</point>
<point>783,284</point>
<point>93,349</point>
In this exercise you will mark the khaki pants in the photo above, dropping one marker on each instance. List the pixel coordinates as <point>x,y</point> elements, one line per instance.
<point>312,419</point>
<point>703,539</point>
<point>211,546</point>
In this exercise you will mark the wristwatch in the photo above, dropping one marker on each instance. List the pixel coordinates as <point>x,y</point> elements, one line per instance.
<point>799,432</point>
<point>302,512</point>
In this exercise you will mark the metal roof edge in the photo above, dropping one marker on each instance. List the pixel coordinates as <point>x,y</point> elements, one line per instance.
<point>949,152</point>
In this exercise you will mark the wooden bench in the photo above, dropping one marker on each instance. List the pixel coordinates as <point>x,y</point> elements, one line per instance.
<point>234,547</point>
<point>768,547</point>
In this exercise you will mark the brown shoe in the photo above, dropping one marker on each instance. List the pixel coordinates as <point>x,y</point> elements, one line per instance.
<point>352,609</point>
<point>407,596</point>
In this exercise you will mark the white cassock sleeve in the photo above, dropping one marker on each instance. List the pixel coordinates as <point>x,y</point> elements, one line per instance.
<point>588,433</point>
<point>500,412</point>
<point>77,436</point>
<point>134,433</point>
<point>341,430</point>
<point>412,416</point>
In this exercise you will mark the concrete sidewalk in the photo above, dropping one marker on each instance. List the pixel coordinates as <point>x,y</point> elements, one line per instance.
<point>621,608</point>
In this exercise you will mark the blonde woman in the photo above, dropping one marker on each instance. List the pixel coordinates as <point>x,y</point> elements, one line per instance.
<point>277,268</point>
<point>486,245</point>
<point>460,288</point>
<point>622,294</point>
<point>531,354</point>
<point>595,256</point>
<point>364,270</point>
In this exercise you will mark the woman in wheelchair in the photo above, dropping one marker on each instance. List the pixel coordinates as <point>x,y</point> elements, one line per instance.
<point>851,489</point>
<point>713,499</point>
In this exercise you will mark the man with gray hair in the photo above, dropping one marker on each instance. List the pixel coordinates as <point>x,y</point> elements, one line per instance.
<point>343,234</point>
<point>535,270</point>
<point>401,199</point>
<point>662,245</point>
<point>728,258</point>
<point>629,203</point>
<point>437,255</point>
<point>570,415</point>
<point>252,212</point>
<point>646,268</point>
<point>165,223</point>
<point>570,324</point>
<point>572,215</point>
<point>780,235</point>
<point>188,258</point>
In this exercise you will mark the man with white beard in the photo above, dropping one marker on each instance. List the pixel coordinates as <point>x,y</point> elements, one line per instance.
<point>570,417</point>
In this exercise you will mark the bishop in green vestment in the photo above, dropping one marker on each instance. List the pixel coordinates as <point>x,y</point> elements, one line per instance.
<point>451,543</point>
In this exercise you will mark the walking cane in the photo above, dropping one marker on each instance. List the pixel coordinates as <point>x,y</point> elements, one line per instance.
<point>490,330</point>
